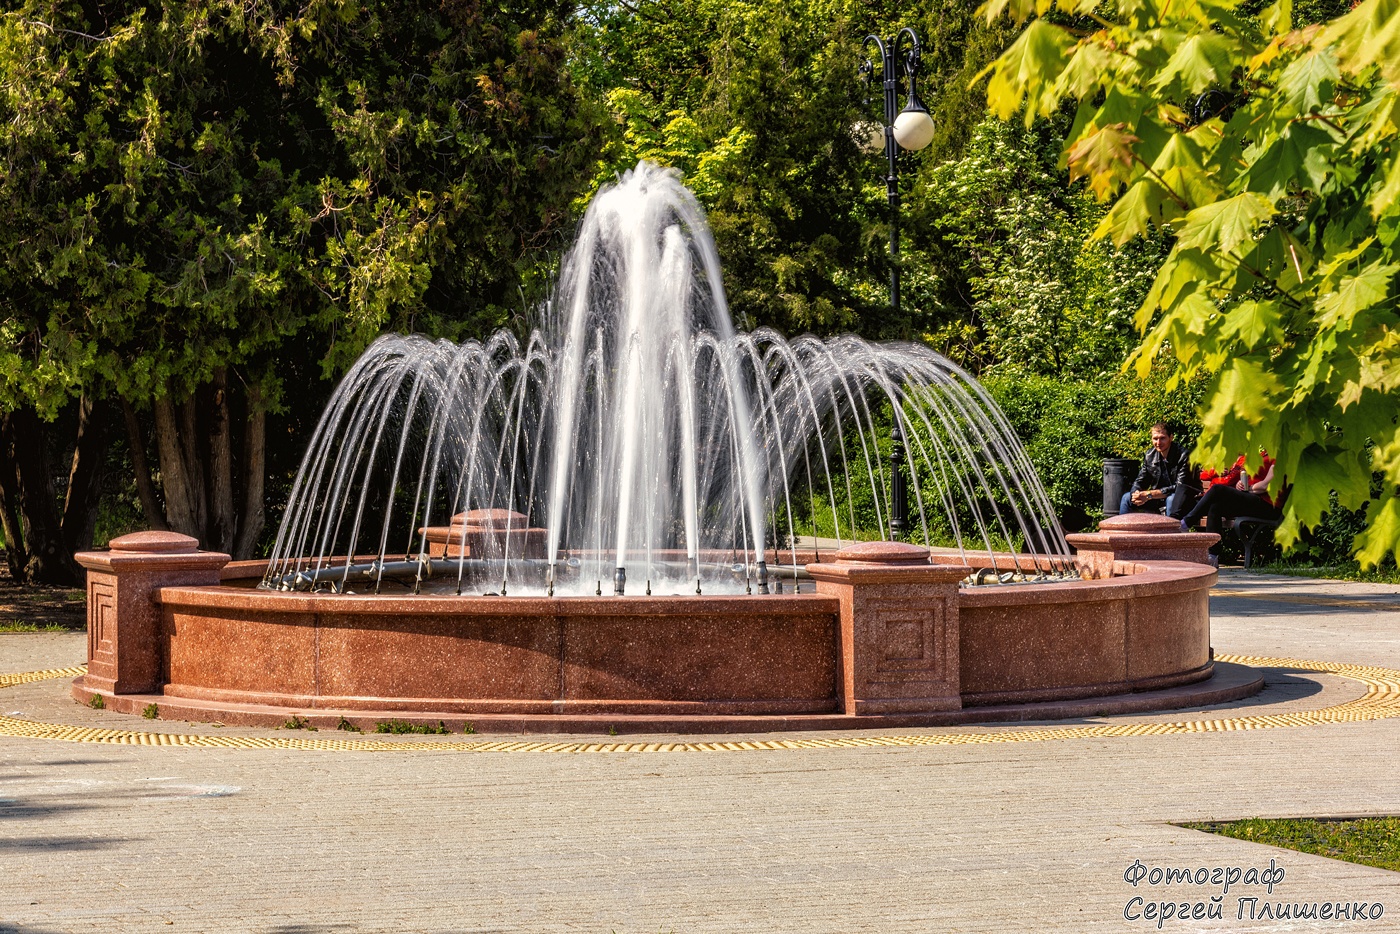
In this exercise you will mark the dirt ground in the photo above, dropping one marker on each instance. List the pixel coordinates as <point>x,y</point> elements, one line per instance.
<point>42,607</point>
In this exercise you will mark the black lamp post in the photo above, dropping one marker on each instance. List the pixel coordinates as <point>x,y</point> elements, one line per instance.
<point>912,129</point>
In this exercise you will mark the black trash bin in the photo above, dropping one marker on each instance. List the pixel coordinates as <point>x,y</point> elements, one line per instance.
<point>1118,476</point>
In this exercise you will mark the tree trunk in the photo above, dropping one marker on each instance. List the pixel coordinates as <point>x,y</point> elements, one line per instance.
<point>180,508</point>
<point>222,518</point>
<point>250,524</point>
<point>194,463</point>
<point>49,562</point>
<point>16,556</point>
<point>145,487</point>
<point>85,476</point>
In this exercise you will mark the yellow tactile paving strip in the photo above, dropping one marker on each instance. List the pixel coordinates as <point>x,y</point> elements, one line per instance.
<point>1381,700</point>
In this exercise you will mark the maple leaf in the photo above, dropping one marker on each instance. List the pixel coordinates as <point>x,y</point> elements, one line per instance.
<point>1201,61</point>
<point>1382,534</point>
<point>1308,82</point>
<point>1389,193</point>
<point>1368,35</point>
<point>1027,71</point>
<point>1105,157</point>
<point>1366,288</point>
<point>1132,214</point>
<point>1302,155</point>
<point>1253,322</point>
<point>1225,225</point>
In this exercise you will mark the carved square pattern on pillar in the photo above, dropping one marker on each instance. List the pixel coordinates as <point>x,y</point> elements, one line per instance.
<point>102,620</point>
<point>908,638</point>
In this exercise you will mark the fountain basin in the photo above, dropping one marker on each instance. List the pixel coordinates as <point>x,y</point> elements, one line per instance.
<point>891,641</point>
<point>522,655</point>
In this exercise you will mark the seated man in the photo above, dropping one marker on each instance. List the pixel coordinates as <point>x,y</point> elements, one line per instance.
<point>1165,480</point>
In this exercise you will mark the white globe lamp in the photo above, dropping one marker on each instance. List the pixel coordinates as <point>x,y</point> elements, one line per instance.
<point>913,128</point>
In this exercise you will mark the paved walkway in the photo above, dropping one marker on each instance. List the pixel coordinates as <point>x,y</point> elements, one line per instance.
<point>1006,836</point>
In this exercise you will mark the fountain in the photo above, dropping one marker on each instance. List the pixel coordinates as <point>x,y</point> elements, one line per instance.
<point>616,517</point>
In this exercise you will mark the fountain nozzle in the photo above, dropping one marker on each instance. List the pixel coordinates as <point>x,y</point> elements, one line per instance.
<point>762,575</point>
<point>619,582</point>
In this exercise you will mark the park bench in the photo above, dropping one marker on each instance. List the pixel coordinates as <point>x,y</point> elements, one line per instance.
<point>1250,531</point>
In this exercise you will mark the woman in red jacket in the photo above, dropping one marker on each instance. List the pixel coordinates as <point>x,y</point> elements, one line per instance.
<point>1248,496</point>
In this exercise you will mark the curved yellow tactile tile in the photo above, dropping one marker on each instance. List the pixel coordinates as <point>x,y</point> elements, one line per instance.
<point>25,677</point>
<point>1381,700</point>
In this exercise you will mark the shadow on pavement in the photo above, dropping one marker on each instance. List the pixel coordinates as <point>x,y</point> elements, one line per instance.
<point>73,844</point>
<point>1263,603</point>
<point>322,928</point>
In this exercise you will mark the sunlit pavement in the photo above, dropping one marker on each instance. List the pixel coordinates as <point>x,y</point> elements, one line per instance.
<point>1019,836</point>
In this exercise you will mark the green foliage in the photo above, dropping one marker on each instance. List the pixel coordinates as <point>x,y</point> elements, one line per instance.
<point>96,702</point>
<point>298,722</point>
<point>151,711</point>
<point>1370,841</point>
<point>10,625</point>
<point>1070,426</point>
<point>1270,153</point>
<point>188,185</point>
<point>1011,235</point>
<point>758,104</point>
<point>1384,573</point>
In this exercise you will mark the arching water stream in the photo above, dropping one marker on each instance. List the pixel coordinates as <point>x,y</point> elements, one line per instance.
<point>643,433</point>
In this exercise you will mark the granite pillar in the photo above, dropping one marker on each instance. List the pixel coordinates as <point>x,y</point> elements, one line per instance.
<point>1138,536</point>
<point>899,627</point>
<point>125,642</point>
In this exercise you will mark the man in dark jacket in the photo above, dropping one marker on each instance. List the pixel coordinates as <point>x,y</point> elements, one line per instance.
<point>1165,480</point>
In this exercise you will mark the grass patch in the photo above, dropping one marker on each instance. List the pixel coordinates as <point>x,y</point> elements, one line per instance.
<point>345,726</point>
<point>1337,572</point>
<point>1370,841</point>
<point>298,723</point>
<point>151,712</point>
<point>96,702</point>
<point>11,625</point>
<point>403,726</point>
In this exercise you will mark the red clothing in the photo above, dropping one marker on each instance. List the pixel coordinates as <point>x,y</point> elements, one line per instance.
<point>1232,476</point>
<point>1264,468</point>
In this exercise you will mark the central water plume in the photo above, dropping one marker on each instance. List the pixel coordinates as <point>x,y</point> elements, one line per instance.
<point>647,438</point>
<point>642,377</point>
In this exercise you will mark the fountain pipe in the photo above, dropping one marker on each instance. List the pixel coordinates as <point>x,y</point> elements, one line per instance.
<point>619,582</point>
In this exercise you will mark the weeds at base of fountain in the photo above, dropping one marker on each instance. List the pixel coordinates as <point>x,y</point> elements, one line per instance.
<point>401,727</point>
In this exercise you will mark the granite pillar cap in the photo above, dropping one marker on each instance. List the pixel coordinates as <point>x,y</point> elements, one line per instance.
<point>491,517</point>
<point>883,553</point>
<point>155,543</point>
<point>1140,522</point>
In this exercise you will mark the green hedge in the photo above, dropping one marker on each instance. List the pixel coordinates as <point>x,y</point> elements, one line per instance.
<point>1070,426</point>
